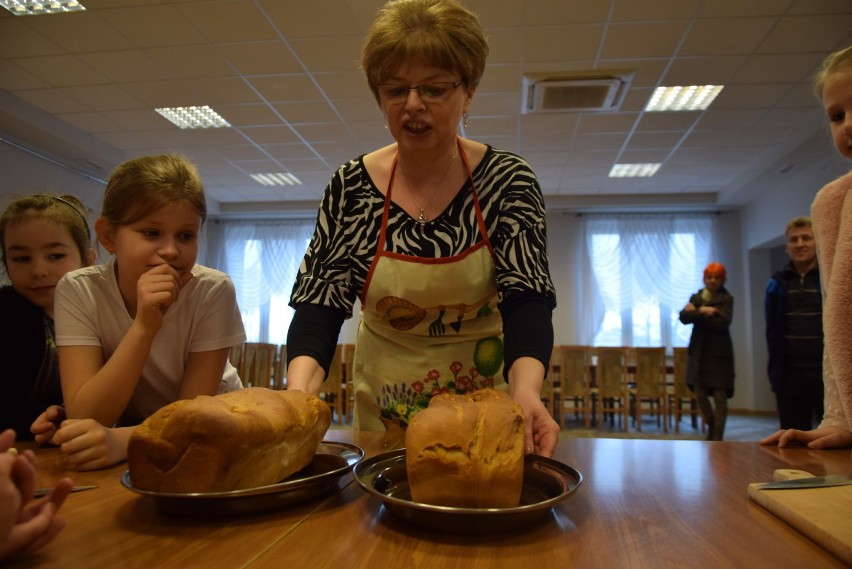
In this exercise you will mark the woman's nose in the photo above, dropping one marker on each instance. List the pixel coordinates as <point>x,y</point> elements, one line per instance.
<point>414,100</point>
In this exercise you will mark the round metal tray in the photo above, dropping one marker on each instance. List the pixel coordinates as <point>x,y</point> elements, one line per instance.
<point>332,461</point>
<point>546,483</point>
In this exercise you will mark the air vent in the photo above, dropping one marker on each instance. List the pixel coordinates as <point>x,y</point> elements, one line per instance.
<point>601,92</point>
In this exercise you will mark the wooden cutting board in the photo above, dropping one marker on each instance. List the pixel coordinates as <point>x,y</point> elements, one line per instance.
<point>822,514</point>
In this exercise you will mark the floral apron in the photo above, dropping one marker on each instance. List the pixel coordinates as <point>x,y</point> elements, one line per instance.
<point>428,326</point>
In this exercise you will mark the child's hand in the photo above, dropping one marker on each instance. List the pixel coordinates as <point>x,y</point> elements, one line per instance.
<point>46,424</point>
<point>25,526</point>
<point>156,290</point>
<point>88,445</point>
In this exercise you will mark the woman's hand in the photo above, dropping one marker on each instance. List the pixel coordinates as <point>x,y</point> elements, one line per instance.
<point>822,438</point>
<point>526,378</point>
<point>25,526</point>
<point>88,445</point>
<point>46,424</point>
<point>542,432</point>
<point>708,310</point>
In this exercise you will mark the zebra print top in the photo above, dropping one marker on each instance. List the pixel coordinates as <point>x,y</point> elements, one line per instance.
<point>344,243</point>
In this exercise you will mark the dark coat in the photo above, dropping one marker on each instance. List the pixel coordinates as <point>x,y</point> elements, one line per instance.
<point>776,314</point>
<point>22,350</point>
<point>711,352</point>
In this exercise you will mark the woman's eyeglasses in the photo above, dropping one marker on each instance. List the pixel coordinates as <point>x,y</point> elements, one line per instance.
<point>428,92</point>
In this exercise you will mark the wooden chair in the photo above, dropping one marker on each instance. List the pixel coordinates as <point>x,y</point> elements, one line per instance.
<point>332,388</point>
<point>235,356</point>
<point>347,359</point>
<point>649,391</point>
<point>281,368</point>
<point>548,387</point>
<point>258,369</point>
<point>571,383</point>
<point>610,388</point>
<point>680,393</point>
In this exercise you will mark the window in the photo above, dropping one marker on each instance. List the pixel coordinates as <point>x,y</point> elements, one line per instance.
<point>262,258</point>
<point>644,269</point>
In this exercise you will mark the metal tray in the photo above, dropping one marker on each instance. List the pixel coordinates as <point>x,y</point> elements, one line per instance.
<point>546,483</point>
<point>332,461</point>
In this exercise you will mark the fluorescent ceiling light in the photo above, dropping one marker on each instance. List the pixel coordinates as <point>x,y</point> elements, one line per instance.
<point>277,179</point>
<point>193,117</point>
<point>633,170</point>
<point>36,7</point>
<point>691,98</point>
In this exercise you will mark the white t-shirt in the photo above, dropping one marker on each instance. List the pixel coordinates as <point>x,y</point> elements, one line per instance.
<point>89,311</point>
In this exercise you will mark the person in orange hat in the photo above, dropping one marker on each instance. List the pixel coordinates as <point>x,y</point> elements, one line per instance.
<point>710,369</point>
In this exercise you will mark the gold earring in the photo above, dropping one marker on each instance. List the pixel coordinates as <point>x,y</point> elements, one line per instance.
<point>464,119</point>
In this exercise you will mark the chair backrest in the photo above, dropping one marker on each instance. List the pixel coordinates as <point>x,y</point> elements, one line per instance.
<point>259,364</point>
<point>235,356</point>
<point>281,368</point>
<point>347,356</point>
<point>650,374</point>
<point>335,372</point>
<point>573,362</point>
<point>679,363</point>
<point>611,372</point>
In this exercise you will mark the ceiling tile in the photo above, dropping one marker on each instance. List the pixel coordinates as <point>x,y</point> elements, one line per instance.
<point>641,40</point>
<point>62,70</point>
<point>260,58</point>
<point>155,25</point>
<point>230,21</point>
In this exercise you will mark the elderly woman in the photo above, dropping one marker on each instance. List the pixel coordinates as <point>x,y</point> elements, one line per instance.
<point>441,238</point>
<point>710,369</point>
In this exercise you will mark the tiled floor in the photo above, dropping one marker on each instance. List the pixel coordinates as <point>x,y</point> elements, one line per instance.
<point>739,427</point>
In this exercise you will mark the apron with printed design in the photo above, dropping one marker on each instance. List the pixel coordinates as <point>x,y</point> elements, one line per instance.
<point>428,326</point>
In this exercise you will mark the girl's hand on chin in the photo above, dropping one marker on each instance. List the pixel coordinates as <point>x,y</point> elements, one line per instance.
<point>156,290</point>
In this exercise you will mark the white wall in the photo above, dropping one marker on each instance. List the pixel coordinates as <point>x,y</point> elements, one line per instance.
<point>25,173</point>
<point>746,254</point>
<point>764,220</point>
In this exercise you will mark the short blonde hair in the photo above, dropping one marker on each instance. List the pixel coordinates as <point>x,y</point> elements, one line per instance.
<point>141,185</point>
<point>797,222</point>
<point>440,33</point>
<point>837,61</point>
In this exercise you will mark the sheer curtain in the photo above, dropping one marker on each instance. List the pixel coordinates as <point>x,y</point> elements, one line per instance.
<point>639,271</point>
<point>262,258</point>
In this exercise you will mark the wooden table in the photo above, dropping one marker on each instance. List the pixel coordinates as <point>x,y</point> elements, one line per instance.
<point>644,503</point>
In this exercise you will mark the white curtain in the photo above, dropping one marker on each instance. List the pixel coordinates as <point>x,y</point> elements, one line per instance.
<point>262,258</point>
<point>639,271</point>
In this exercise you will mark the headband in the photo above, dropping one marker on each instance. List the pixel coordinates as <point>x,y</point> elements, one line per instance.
<point>75,208</point>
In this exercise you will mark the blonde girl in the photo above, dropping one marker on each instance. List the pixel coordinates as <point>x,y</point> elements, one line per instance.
<point>831,213</point>
<point>42,237</point>
<point>148,327</point>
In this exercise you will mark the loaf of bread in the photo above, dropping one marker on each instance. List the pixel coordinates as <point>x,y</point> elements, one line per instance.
<point>467,451</point>
<point>243,439</point>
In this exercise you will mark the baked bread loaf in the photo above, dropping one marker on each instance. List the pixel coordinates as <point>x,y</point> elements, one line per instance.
<point>243,439</point>
<point>467,451</point>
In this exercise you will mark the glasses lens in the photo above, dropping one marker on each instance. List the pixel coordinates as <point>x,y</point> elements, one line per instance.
<point>427,92</point>
<point>435,91</point>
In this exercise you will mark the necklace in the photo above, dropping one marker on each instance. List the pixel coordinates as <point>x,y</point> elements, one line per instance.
<point>422,218</point>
